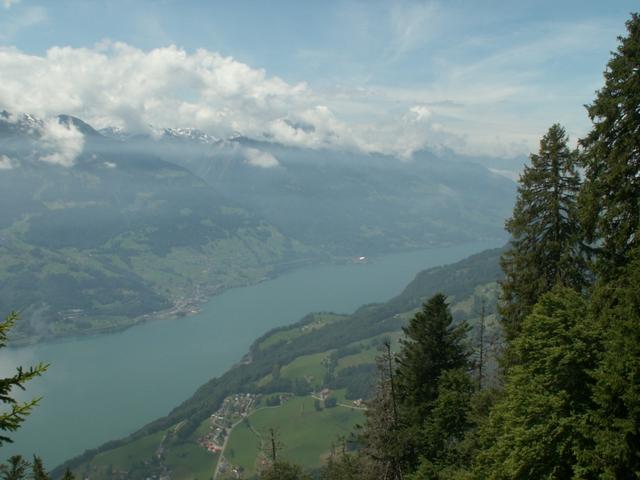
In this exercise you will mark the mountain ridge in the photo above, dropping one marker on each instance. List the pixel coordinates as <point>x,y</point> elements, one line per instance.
<point>183,218</point>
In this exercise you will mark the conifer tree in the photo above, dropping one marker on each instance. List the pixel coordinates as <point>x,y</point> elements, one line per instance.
<point>274,445</point>
<point>281,470</point>
<point>545,233</point>
<point>15,469</point>
<point>610,207</point>
<point>611,156</point>
<point>481,350</point>
<point>446,426</point>
<point>11,420</point>
<point>68,475</point>
<point>38,471</point>
<point>345,466</point>
<point>381,436</point>
<point>615,420</point>
<point>537,429</point>
<point>432,345</point>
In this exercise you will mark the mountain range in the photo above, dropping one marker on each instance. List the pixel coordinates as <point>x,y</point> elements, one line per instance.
<point>101,229</point>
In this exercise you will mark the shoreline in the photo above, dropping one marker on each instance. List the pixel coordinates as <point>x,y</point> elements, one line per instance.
<point>207,357</point>
<point>185,307</point>
<point>191,305</point>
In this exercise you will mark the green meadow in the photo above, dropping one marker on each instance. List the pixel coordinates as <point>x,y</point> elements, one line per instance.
<point>304,433</point>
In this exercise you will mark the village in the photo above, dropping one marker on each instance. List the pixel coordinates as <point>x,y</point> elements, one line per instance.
<point>235,409</point>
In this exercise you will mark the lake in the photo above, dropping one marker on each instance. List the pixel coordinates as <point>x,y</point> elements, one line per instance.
<point>104,387</point>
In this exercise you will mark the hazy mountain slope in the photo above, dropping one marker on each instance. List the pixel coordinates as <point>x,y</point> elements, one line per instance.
<point>118,235</point>
<point>99,230</point>
<point>351,203</point>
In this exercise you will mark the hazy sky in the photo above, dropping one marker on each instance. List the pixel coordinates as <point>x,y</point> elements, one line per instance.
<point>480,77</point>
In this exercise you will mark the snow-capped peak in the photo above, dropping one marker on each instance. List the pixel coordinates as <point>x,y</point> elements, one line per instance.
<point>192,134</point>
<point>23,121</point>
<point>117,133</point>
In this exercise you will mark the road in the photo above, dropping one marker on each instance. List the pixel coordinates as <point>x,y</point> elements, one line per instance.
<point>224,447</point>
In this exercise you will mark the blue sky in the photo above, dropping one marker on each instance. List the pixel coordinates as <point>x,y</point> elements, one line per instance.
<point>479,77</point>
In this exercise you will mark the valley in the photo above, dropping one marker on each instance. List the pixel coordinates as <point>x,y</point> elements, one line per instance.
<point>159,364</point>
<point>322,351</point>
<point>141,227</point>
<point>335,240</point>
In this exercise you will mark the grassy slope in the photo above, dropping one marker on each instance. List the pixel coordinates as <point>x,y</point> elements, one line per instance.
<point>243,448</point>
<point>314,322</point>
<point>123,458</point>
<point>369,353</point>
<point>190,462</point>
<point>306,366</point>
<point>306,434</point>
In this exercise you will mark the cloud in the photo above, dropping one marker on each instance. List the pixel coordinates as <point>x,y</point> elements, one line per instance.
<point>261,159</point>
<point>61,142</point>
<point>478,104</point>
<point>115,84</point>
<point>405,133</point>
<point>5,163</point>
<point>23,18</point>
<point>412,25</point>
<point>420,112</point>
<point>511,175</point>
<point>315,127</point>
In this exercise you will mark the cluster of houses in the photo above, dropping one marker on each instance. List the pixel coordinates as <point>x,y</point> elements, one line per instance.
<point>233,408</point>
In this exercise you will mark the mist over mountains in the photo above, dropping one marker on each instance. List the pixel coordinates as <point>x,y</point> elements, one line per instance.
<point>99,229</point>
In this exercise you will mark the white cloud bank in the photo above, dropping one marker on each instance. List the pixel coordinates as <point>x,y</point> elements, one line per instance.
<point>114,84</point>
<point>118,85</point>
<point>261,159</point>
<point>5,163</point>
<point>62,142</point>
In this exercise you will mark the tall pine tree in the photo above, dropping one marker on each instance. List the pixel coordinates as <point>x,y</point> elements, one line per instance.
<point>432,347</point>
<point>537,429</point>
<point>614,423</point>
<point>38,471</point>
<point>610,207</point>
<point>545,233</point>
<point>443,453</point>
<point>15,469</point>
<point>611,156</point>
<point>382,437</point>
